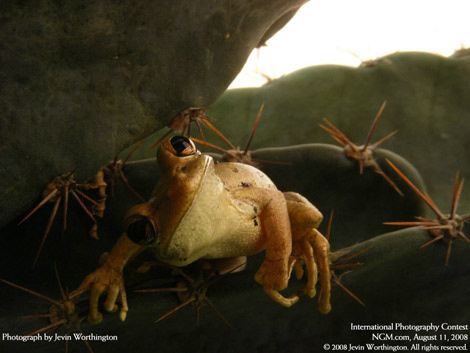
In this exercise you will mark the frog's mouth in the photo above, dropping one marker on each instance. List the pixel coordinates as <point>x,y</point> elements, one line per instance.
<point>174,261</point>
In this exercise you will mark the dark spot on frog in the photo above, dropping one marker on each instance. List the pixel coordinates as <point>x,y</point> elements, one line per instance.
<point>255,209</point>
<point>255,221</point>
<point>245,185</point>
<point>183,169</point>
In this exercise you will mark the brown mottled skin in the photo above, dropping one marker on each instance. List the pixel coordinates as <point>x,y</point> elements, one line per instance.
<point>203,210</point>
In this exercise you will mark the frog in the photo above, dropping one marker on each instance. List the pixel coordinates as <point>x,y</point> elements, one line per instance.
<point>203,209</point>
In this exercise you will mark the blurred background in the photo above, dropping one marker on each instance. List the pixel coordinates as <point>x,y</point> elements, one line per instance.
<point>345,33</point>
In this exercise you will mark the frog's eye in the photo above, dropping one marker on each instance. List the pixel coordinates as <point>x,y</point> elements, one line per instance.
<point>182,146</point>
<point>141,231</point>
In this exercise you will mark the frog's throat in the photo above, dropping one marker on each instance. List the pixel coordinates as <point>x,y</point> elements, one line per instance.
<point>184,241</point>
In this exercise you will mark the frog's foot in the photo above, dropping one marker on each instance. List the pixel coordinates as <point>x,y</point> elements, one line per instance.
<point>273,275</point>
<point>315,253</point>
<point>110,280</point>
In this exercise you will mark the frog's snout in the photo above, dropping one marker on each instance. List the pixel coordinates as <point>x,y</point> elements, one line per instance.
<point>175,254</point>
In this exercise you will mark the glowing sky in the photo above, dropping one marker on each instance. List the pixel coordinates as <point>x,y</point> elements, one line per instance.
<point>346,32</point>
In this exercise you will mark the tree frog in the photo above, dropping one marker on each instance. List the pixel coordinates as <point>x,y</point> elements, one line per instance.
<point>201,209</point>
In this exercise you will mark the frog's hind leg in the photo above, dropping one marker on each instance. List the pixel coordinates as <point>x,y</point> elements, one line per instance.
<point>310,246</point>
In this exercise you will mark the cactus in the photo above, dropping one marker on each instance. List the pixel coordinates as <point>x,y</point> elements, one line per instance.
<point>80,82</point>
<point>426,103</point>
<point>396,279</point>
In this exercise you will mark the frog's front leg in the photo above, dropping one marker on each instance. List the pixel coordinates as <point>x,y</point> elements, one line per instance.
<point>108,278</point>
<point>140,233</point>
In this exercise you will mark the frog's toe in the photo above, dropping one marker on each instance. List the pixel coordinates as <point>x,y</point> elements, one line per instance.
<point>95,317</point>
<point>124,306</point>
<point>310,291</point>
<point>312,269</point>
<point>322,249</point>
<point>279,298</point>
<point>110,304</point>
<point>324,308</point>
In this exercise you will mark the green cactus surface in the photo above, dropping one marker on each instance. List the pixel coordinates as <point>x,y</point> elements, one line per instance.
<point>82,81</point>
<point>427,102</point>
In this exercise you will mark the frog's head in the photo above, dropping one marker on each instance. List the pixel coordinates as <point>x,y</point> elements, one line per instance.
<point>183,168</point>
<point>156,222</point>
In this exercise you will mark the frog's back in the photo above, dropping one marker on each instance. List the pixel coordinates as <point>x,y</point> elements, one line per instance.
<point>237,175</point>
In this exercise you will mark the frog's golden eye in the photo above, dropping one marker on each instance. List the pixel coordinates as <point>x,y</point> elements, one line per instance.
<point>142,231</point>
<point>182,146</point>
